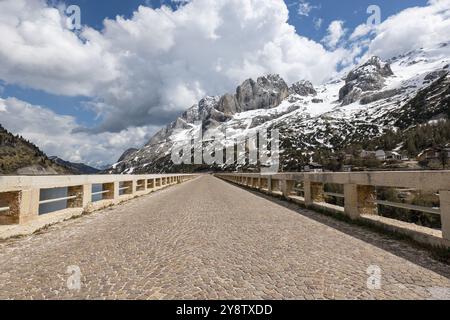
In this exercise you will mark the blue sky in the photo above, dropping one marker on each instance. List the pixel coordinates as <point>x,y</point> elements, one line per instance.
<point>111,88</point>
<point>353,12</point>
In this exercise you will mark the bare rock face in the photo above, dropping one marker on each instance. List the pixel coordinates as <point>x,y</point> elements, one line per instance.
<point>303,88</point>
<point>433,76</point>
<point>259,120</point>
<point>366,99</point>
<point>367,77</point>
<point>228,105</point>
<point>127,153</point>
<point>266,93</point>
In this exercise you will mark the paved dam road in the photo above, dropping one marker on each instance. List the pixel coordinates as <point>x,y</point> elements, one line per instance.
<point>208,239</point>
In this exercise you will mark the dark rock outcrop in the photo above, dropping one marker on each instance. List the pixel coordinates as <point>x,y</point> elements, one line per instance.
<point>368,77</point>
<point>303,88</point>
<point>264,93</point>
<point>366,99</point>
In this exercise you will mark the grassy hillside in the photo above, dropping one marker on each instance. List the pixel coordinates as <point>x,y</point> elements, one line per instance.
<point>19,156</point>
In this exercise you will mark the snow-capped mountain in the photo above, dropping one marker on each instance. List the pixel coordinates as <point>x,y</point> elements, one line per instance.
<point>401,92</point>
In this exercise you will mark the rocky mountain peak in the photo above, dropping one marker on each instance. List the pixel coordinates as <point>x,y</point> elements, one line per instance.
<point>272,82</point>
<point>303,88</point>
<point>369,76</point>
<point>201,110</point>
<point>266,93</point>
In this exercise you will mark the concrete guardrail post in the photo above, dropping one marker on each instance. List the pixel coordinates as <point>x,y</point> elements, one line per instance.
<point>29,205</point>
<point>445,213</point>
<point>286,187</point>
<point>116,190</point>
<point>314,192</point>
<point>79,193</point>
<point>359,200</point>
<point>87,195</point>
<point>150,184</point>
<point>23,206</point>
<point>135,187</point>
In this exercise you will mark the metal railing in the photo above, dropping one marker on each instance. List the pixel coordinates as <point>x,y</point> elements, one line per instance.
<point>332,194</point>
<point>406,206</point>
<point>4,209</point>
<point>100,192</point>
<point>57,200</point>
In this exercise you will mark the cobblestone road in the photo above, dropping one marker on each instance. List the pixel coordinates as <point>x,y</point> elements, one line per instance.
<point>207,239</point>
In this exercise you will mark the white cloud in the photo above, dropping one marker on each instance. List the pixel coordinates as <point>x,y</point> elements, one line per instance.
<point>146,69</point>
<point>335,33</point>
<point>304,8</point>
<point>411,29</point>
<point>32,122</point>
<point>361,31</point>
<point>37,51</point>
<point>317,23</point>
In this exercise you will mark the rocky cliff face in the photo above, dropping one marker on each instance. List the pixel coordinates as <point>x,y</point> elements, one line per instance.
<point>368,77</point>
<point>265,93</point>
<point>303,88</point>
<point>374,97</point>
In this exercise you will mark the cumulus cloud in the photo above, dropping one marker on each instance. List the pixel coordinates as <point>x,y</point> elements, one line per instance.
<point>410,29</point>
<point>335,33</point>
<point>36,50</point>
<point>146,69</point>
<point>58,138</point>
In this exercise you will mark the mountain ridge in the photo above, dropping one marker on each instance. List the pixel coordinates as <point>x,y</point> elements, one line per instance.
<point>76,168</point>
<point>371,99</point>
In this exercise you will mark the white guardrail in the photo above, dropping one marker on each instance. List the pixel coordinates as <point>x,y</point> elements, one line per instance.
<point>24,198</point>
<point>359,192</point>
